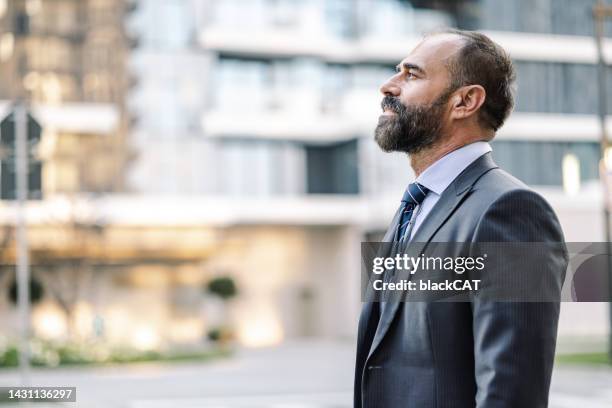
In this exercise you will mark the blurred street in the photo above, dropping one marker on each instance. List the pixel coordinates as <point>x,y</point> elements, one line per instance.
<point>316,374</point>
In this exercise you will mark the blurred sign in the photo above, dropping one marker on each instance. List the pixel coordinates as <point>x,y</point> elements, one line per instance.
<point>7,132</point>
<point>8,180</point>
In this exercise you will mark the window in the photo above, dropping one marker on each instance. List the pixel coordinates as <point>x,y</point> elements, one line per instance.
<point>335,83</point>
<point>340,18</point>
<point>540,163</point>
<point>240,84</point>
<point>332,169</point>
<point>554,87</point>
<point>539,16</point>
<point>254,167</point>
<point>168,24</point>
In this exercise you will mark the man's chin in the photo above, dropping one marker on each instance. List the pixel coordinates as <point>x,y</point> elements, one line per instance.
<point>385,144</point>
<point>388,144</point>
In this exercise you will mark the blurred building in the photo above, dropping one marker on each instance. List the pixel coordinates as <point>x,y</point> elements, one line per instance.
<point>265,110</point>
<point>67,59</point>
<point>252,123</point>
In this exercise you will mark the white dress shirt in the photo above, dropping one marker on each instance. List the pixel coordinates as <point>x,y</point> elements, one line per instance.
<point>441,174</point>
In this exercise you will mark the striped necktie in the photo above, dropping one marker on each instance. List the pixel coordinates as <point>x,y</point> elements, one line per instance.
<point>414,195</point>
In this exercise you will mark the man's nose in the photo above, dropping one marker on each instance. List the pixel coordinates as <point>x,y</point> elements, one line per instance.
<point>390,88</point>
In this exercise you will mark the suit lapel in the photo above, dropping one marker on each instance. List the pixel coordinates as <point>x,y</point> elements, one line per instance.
<point>392,231</point>
<point>450,199</point>
<point>365,319</point>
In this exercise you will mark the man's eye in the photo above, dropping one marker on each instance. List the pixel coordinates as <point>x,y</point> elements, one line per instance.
<point>410,75</point>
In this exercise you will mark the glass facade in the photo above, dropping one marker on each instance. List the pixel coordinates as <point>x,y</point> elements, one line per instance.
<point>570,17</point>
<point>167,98</point>
<point>540,163</point>
<point>165,25</point>
<point>252,167</point>
<point>333,169</point>
<point>546,87</point>
<point>296,84</point>
<point>255,167</point>
<point>554,87</point>
<point>189,84</point>
<point>340,19</point>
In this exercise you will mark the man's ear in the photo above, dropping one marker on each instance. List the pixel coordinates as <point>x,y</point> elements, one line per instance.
<point>467,101</point>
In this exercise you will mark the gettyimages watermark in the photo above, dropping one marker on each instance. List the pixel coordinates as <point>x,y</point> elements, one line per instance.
<point>495,271</point>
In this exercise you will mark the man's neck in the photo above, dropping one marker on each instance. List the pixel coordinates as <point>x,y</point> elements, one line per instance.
<point>424,158</point>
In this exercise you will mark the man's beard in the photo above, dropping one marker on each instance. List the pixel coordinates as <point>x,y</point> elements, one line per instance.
<point>412,128</point>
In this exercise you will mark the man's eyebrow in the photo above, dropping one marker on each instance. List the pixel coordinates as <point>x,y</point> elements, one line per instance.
<point>410,66</point>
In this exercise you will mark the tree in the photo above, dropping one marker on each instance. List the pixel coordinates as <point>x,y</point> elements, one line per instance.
<point>69,279</point>
<point>224,289</point>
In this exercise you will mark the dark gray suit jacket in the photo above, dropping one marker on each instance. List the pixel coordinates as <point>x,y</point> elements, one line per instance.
<point>478,353</point>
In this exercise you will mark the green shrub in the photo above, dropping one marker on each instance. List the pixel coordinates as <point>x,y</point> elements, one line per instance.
<point>220,334</point>
<point>51,354</point>
<point>10,357</point>
<point>224,287</point>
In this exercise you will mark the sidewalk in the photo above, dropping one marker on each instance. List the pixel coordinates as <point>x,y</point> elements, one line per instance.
<point>314,374</point>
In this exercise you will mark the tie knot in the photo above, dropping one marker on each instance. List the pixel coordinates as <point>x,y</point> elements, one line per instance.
<point>415,194</point>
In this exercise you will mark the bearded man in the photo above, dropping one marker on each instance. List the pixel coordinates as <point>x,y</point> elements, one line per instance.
<point>443,106</point>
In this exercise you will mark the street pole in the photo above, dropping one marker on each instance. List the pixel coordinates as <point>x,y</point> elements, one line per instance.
<point>23,271</point>
<point>600,12</point>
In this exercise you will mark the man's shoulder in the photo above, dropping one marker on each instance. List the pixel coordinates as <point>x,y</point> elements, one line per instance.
<point>498,184</point>
<point>487,181</point>
<point>504,199</point>
<point>499,191</point>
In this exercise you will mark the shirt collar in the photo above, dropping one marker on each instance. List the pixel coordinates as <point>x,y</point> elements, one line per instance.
<point>440,174</point>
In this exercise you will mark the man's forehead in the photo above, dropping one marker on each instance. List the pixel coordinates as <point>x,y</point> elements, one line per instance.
<point>433,51</point>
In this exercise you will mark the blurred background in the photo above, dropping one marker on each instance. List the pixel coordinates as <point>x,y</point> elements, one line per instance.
<point>201,175</point>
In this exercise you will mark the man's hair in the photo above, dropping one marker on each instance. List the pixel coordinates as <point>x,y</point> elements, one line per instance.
<point>483,62</point>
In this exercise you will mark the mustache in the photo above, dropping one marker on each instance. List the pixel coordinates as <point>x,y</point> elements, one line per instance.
<point>391,103</point>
